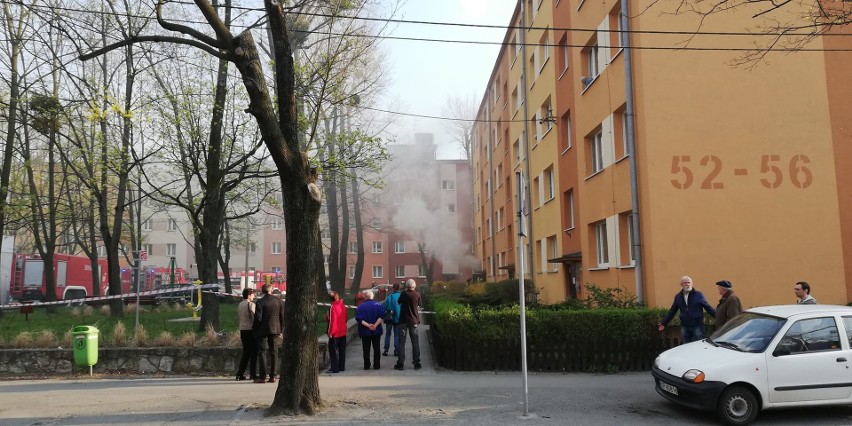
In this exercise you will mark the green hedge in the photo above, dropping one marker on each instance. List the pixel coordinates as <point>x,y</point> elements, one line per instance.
<point>463,321</point>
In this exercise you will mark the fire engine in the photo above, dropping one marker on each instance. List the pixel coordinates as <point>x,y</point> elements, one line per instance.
<point>73,277</point>
<point>152,278</point>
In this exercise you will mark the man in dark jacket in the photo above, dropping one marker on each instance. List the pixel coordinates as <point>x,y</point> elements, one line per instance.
<point>409,319</point>
<point>729,305</point>
<point>690,303</point>
<point>268,324</point>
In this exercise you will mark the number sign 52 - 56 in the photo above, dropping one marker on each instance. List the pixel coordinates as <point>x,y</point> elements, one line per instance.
<point>711,172</point>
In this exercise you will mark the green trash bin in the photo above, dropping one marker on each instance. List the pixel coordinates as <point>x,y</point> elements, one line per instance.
<point>85,341</point>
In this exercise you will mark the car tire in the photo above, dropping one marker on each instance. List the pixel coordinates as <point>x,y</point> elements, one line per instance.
<point>737,406</point>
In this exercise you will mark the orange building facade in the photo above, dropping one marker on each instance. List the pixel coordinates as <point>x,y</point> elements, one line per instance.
<point>648,155</point>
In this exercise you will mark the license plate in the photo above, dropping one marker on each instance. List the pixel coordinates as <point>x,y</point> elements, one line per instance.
<point>668,388</point>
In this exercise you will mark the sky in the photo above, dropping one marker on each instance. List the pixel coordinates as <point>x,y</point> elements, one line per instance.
<point>424,75</point>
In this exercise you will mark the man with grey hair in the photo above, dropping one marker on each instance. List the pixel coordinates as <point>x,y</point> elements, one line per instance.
<point>691,304</point>
<point>409,319</point>
<point>368,316</point>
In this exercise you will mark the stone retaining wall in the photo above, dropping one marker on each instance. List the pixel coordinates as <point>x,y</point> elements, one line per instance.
<point>210,360</point>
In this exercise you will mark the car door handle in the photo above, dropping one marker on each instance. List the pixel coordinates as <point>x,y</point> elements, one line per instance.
<point>841,359</point>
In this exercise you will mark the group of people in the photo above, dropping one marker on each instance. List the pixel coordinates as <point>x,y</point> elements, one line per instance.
<point>398,315</point>
<point>261,325</point>
<point>691,303</point>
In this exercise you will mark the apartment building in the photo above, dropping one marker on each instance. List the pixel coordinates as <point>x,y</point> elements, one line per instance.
<point>726,172</point>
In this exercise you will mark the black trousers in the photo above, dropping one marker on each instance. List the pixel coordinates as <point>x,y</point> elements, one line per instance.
<point>337,353</point>
<point>249,354</point>
<point>267,354</point>
<point>366,343</point>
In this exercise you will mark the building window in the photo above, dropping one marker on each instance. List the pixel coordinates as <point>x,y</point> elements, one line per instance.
<point>377,271</point>
<point>276,248</point>
<point>624,133</point>
<point>353,247</point>
<point>149,248</point>
<point>146,225</point>
<point>171,249</point>
<point>351,271</point>
<point>172,225</point>
<point>601,244</point>
<point>325,233</point>
<point>377,246</point>
<point>377,222</point>
<point>399,247</point>
<point>553,252</point>
<point>252,247</point>
<point>565,53</point>
<point>399,271</point>
<point>451,208</point>
<point>448,185</point>
<point>569,209</point>
<point>519,97</point>
<point>596,152</point>
<point>421,271</point>
<point>567,141</point>
<point>549,184</point>
<point>630,254</point>
<point>591,57</point>
<point>499,218</point>
<point>276,224</point>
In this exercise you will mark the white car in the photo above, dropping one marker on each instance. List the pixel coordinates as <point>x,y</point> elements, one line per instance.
<point>766,357</point>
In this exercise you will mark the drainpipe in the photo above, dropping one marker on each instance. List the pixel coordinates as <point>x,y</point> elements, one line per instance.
<point>493,263</point>
<point>526,189</point>
<point>631,150</point>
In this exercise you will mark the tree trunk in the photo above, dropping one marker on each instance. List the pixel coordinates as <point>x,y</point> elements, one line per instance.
<point>359,236</point>
<point>343,256</point>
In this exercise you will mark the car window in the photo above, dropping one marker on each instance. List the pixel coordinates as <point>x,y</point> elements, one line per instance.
<point>811,335</point>
<point>749,332</point>
<point>847,324</point>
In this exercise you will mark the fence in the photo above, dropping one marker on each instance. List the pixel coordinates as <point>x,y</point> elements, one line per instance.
<point>550,356</point>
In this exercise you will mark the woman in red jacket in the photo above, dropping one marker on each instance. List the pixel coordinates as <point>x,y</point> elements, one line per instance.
<point>336,318</point>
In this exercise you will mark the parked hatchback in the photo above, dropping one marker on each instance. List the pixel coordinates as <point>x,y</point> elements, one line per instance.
<point>767,357</point>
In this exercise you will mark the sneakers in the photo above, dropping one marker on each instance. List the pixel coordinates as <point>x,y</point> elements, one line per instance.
<point>398,367</point>
<point>417,366</point>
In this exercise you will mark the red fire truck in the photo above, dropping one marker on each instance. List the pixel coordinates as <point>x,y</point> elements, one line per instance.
<point>152,278</point>
<point>73,277</point>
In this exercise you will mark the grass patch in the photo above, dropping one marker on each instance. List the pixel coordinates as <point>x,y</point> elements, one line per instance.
<point>46,329</point>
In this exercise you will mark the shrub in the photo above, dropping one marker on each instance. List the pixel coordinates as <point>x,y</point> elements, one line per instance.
<point>119,334</point>
<point>46,339</point>
<point>140,337</point>
<point>211,337</point>
<point>23,340</point>
<point>166,339</point>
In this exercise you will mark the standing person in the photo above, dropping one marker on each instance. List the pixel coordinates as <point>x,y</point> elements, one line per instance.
<point>391,305</point>
<point>409,319</point>
<point>268,324</point>
<point>245,312</point>
<point>729,305</point>
<point>369,318</point>
<point>803,294</point>
<point>336,318</point>
<point>690,303</point>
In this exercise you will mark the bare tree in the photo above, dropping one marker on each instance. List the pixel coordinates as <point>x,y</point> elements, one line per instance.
<point>462,110</point>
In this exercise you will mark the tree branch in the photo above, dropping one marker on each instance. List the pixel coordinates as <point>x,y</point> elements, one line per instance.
<point>154,39</point>
<point>220,44</point>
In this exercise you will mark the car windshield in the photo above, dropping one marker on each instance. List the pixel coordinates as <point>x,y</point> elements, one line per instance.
<point>748,332</point>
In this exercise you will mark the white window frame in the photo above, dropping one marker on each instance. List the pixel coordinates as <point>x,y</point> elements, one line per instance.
<point>566,122</point>
<point>146,225</point>
<point>550,184</point>
<point>276,223</point>
<point>592,54</point>
<point>173,225</point>
<point>353,247</point>
<point>448,185</point>
<point>399,247</point>
<point>596,146</point>
<point>624,132</point>
<point>351,271</point>
<point>554,252</point>
<point>570,207</point>
<point>377,222</point>
<point>421,271</point>
<point>451,208</point>
<point>276,247</point>
<point>147,247</point>
<point>377,246</point>
<point>630,239</point>
<point>171,249</point>
<point>602,244</point>
<point>252,247</point>
<point>377,271</point>
<point>399,271</point>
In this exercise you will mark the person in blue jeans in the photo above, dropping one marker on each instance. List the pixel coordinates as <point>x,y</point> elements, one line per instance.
<point>691,304</point>
<point>391,305</point>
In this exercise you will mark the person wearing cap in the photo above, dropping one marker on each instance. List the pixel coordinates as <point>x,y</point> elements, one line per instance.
<point>691,304</point>
<point>803,294</point>
<point>729,305</point>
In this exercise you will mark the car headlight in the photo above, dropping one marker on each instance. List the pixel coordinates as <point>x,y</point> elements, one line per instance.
<point>694,376</point>
<point>657,362</point>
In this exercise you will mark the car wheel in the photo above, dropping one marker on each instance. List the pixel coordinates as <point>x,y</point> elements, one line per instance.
<point>737,406</point>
